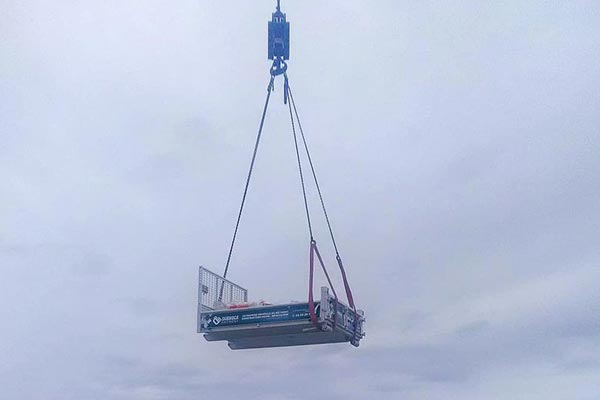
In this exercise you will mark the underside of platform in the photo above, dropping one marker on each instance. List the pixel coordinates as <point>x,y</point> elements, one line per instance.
<point>300,339</point>
<point>286,334</point>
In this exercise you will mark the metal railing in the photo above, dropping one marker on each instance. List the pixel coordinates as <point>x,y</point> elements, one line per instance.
<point>210,286</point>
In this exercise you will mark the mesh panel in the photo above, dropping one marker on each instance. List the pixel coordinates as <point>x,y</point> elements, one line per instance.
<point>209,289</point>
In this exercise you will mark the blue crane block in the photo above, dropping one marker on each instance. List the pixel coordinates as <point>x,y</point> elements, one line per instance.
<point>279,37</point>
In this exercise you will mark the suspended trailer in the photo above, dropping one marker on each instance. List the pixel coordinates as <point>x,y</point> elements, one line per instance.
<point>250,326</point>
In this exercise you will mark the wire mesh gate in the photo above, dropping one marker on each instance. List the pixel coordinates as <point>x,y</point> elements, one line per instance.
<point>210,286</point>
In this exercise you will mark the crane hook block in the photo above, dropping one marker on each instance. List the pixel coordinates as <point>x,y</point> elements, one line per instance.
<point>279,37</point>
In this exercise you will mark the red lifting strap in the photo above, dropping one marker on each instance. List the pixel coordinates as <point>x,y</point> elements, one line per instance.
<point>311,303</point>
<point>348,292</point>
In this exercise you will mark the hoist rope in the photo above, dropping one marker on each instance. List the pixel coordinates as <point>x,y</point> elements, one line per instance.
<point>239,217</point>
<point>313,244</point>
<point>312,169</point>
<point>310,231</point>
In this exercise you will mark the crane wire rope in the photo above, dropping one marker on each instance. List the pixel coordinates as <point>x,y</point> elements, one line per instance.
<point>249,176</point>
<point>313,244</point>
<point>310,231</point>
<point>312,168</point>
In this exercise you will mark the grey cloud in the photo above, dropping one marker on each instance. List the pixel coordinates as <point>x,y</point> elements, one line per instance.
<point>457,146</point>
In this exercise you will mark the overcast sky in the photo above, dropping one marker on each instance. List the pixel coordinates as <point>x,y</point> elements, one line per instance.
<point>459,153</point>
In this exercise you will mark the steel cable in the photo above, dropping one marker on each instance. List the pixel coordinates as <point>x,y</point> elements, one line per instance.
<point>239,217</point>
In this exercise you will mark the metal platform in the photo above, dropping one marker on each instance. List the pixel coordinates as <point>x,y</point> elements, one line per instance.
<point>260,326</point>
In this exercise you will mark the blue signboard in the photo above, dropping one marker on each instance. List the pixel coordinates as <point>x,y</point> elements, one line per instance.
<point>257,315</point>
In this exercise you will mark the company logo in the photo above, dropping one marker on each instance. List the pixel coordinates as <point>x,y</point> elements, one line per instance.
<point>216,320</point>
